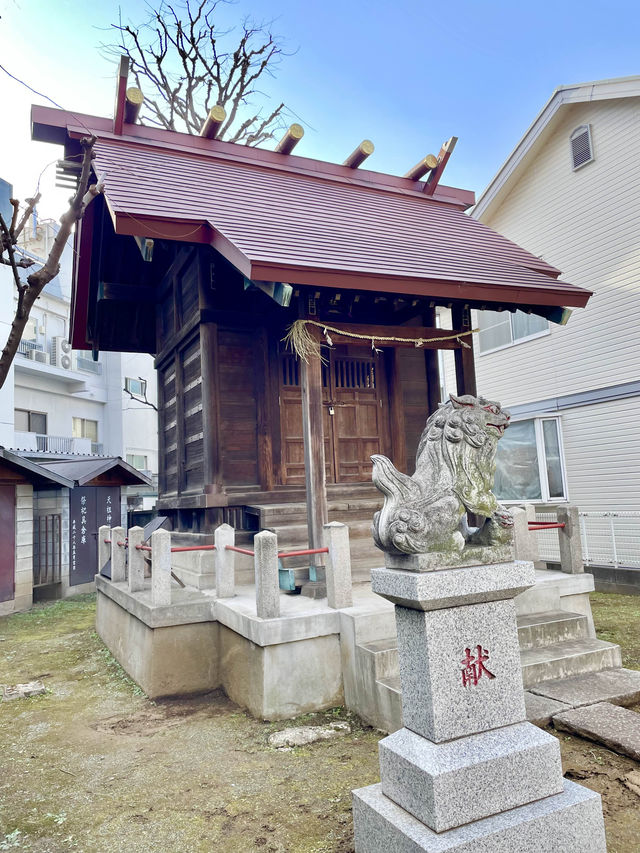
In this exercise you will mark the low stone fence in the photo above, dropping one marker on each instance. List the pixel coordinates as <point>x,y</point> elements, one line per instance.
<point>564,522</point>
<point>128,555</point>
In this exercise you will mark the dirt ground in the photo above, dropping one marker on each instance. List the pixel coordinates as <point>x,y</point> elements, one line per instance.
<point>93,766</point>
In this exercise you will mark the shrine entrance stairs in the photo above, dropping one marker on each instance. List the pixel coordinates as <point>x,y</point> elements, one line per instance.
<point>352,505</point>
<point>555,630</point>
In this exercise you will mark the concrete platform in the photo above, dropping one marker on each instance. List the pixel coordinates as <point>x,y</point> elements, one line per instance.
<point>618,686</point>
<point>313,656</point>
<point>615,727</point>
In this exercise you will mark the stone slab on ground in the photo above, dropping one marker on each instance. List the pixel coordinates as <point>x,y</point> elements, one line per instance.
<point>618,686</point>
<point>302,735</point>
<point>564,823</point>
<point>540,709</point>
<point>615,727</point>
<point>22,691</point>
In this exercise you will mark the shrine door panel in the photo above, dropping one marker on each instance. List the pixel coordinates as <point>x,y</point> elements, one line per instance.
<point>291,423</point>
<point>8,539</point>
<point>358,416</point>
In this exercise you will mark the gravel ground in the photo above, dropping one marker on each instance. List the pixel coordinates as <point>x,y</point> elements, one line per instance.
<point>94,766</point>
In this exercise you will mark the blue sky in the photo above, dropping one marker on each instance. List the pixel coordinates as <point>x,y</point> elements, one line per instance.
<point>405,74</point>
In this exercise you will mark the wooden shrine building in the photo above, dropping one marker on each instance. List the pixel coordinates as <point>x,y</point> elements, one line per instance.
<point>205,253</point>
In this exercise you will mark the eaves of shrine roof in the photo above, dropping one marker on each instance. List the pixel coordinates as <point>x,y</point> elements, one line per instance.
<point>301,221</point>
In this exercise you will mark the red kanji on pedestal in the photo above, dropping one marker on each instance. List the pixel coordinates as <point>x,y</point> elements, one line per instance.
<point>474,667</point>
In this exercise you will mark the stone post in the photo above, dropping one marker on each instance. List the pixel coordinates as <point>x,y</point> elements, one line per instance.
<point>161,567</point>
<point>136,559</point>
<point>569,539</point>
<point>535,550</point>
<point>104,550</point>
<point>339,593</point>
<point>224,561</point>
<point>467,773</point>
<point>118,555</point>
<point>265,546</point>
<point>521,534</point>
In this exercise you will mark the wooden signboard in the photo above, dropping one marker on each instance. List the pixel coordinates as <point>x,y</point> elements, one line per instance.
<point>90,507</point>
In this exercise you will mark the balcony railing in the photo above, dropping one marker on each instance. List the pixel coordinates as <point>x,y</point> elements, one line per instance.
<point>25,347</point>
<point>56,444</point>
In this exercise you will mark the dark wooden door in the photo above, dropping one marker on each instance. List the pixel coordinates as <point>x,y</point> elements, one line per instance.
<point>357,420</point>
<point>291,423</point>
<point>8,540</point>
<point>354,413</point>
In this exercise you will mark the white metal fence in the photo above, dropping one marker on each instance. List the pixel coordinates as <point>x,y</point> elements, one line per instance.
<point>608,538</point>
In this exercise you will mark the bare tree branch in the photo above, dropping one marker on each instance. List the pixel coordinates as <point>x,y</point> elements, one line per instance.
<point>31,203</point>
<point>30,290</point>
<point>141,398</point>
<point>180,58</point>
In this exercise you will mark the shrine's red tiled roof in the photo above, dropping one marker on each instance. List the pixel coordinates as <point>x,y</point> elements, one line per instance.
<point>291,219</point>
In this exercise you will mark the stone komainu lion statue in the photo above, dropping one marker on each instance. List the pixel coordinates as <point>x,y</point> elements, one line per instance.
<point>455,467</point>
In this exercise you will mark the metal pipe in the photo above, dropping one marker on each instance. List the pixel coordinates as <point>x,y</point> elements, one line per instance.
<point>303,553</point>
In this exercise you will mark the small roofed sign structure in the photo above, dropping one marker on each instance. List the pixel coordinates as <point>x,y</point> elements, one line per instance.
<point>205,253</point>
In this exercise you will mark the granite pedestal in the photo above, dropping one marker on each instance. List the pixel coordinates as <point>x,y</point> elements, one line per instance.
<point>467,772</point>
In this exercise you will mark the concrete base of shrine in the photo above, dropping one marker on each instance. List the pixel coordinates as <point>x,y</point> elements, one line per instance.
<point>311,657</point>
<point>563,823</point>
<point>275,668</point>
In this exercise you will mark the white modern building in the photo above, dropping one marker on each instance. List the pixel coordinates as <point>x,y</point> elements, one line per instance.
<point>570,193</point>
<point>62,402</point>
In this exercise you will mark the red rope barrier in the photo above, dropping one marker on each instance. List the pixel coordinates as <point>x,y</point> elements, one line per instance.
<point>544,525</point>
<point>240,550</point>
<point>195,548</point>
<point>303,553</point>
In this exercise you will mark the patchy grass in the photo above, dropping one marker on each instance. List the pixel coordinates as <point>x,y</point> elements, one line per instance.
<point>94,766</point>
<point>617,619</point>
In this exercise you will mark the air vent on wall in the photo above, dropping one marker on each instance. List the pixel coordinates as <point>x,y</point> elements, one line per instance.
<point>581,147</point>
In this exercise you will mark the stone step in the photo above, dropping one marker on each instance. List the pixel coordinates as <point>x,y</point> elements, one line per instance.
<point>540,630</point>
<point>270,515</point>
<point>566,658</point>
<point>537,630</point>
<point>290,535</point>
<point>618,686</point>
<point>385,657</point>
<point>570,657</point>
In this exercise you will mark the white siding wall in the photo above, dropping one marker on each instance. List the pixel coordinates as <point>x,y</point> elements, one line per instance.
<point>602,453</point>
<point>586,224</point>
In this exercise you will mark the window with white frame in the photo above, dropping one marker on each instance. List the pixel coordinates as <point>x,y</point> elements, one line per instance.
<point>137,461</point>
<point>25,421</point>
<point>502,328</point>
<point>135,386</point>
<point>84,428</point>
<point>529,464</point>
